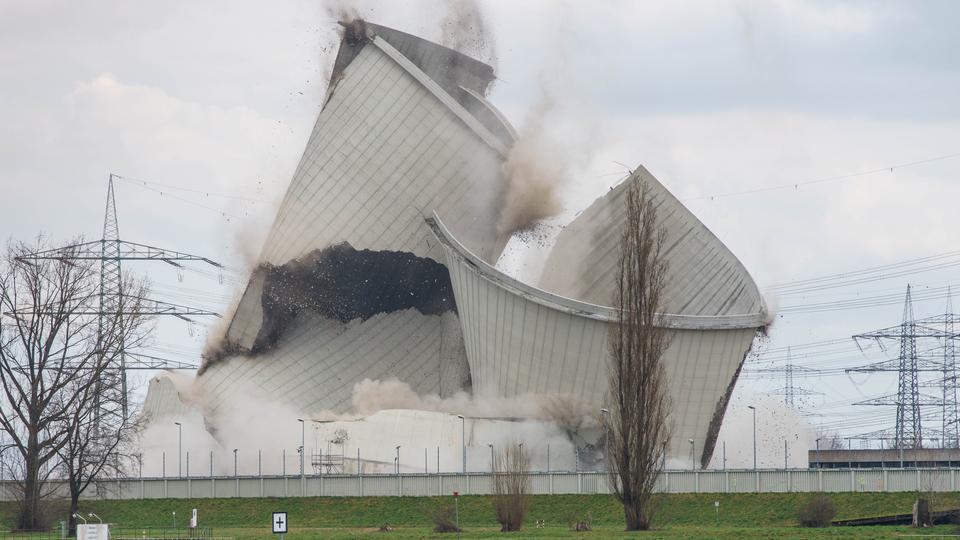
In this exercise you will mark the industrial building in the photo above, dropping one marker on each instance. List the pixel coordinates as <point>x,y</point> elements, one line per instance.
<point>886,458</point>
<point>381,260</point>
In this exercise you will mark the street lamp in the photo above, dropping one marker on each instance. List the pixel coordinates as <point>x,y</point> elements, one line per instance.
<point>521,455</point>
<point>397,460</point>
<point>179,448</point>
<point>754,409</point>
<point>492,468</point>
<point>463,440</point>
<point>693,453</point>
<point>234,462</point>
<point>605,413</point>
<point>78,516</point>
<point>303,445</point>
<point>91,514</point>
<point>820,463</point>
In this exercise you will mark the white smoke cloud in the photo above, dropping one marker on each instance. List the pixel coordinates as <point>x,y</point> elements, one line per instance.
<point>267,433</point>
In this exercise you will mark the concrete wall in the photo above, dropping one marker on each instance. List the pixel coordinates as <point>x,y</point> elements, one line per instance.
<point>703,277</point>
<point>317,361</point>
<point>712,481</point>
<point>522,340</point>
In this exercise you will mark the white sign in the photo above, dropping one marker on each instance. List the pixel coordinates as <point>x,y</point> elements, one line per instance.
<point>193,519</point>
<point>279,522</point>
<point>93,531</point>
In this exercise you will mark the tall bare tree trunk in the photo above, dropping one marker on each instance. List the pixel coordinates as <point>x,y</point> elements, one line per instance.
<point>56,347</point>
<point>637,425</point>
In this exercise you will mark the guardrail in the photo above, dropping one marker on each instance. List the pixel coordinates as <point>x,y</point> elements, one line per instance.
<point>420,485</point>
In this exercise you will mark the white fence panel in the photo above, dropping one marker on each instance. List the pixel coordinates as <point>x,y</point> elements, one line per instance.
<point>420,485</point>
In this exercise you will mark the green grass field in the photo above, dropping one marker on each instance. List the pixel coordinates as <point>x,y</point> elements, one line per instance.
<point>741,516</point>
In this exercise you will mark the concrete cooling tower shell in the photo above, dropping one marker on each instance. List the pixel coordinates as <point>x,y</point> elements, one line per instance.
<point>520,339</point>
<point>347,288</point>
<point>379,264</point>
<point>704,277</point>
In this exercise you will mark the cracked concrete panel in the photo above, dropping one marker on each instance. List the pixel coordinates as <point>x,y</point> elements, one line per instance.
<point>520,340</point>
<point>317,361</point>
<point>704,278</point>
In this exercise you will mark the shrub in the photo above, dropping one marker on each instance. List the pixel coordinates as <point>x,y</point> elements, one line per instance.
<point>511,488</point>
<point>580,523</point>
<point>444,520</point>
<point>817,511</point>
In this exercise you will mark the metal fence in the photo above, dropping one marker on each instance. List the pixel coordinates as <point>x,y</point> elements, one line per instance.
<point>710,481</point>
<point>162,533</point>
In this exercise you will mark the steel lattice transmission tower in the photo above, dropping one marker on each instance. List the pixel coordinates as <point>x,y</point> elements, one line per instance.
<point>950,431</point>
<point>789,390</point>
<point>110,251</point>
<point>908,432</point>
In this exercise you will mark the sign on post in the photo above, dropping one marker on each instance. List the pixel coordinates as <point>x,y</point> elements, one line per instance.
<point>279,523</point>
<point>93,531</point>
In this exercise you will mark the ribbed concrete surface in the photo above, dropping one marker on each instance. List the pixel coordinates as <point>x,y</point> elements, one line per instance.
<point>163,400</point>
<point>704,278</point>
<point>521,340</point>
<point>388,148</point>
<point>317,361</point>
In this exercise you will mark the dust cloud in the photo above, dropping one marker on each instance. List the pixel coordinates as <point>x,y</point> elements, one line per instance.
<point>464,29</point>
<point>535,168</point>
<point>264,431</point>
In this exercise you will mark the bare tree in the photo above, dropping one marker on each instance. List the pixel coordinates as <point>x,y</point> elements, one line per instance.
<point>511,487</point>
<point>98,435</point>
<point>638,427</point>
<point>55,351</point>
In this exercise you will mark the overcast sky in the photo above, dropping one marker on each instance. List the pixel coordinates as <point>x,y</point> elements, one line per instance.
<point>713,97</point>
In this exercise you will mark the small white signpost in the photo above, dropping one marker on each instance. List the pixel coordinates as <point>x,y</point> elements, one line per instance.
<point>93,531</point>
<point>279,523</point>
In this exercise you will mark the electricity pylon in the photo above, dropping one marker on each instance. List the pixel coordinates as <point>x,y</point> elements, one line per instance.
<point>789,389</point>
<point>908,432</point>
<point>110,251</point>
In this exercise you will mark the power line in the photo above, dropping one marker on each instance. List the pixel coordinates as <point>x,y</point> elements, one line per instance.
<point>188,201</point>
<point>933,293</point>
<point>147,183</point>
<point>797,185</point>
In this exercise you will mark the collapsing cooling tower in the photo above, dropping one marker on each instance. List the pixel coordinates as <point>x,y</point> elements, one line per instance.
<point>379,262</point>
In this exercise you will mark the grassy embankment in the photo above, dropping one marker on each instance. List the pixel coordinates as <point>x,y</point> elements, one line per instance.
<point>741,517</point>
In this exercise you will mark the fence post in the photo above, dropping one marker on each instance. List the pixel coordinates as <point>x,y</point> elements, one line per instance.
<point>756,481</point>
<point>819,479</point>
<point>579,483</point>
<point>696,481</point>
